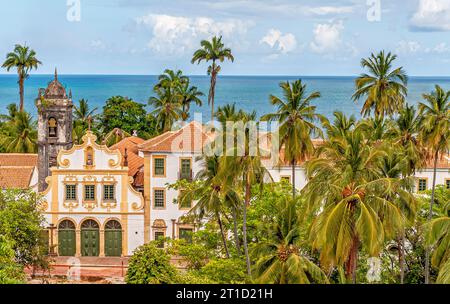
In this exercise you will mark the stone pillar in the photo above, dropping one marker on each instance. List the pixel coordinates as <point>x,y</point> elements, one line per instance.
<point>78,243</point>
<point>102,243</point>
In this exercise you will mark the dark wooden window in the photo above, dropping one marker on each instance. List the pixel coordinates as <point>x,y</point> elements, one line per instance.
<point>422,184</point>
<point>160,166</point>
<point>159,199</point>
<point>159,237</point>
<point>71,192</point>
<point>186,234</point>
<point>109,192</point>
<point>89,192</point>
<point>185,172</point>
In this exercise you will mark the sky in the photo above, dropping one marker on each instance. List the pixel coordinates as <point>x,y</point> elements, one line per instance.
<point>267,37</point>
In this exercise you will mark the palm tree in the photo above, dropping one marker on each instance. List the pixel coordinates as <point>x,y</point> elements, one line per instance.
<point>383,87</point>
<point>24,60</point>
<point>167,109</point>
<point>279,259</point>
<point>214,51</point>
<point>116,135</point>
<point>352,202</point>
<point>210,193</point>
<point>435,134</point>
<point>404,133</point>
<point>171,80</point>
<point>21,135</point>
<point>296,117</point>
<point>82,112</point>
<point>244,172</point>
<point>187,95</point>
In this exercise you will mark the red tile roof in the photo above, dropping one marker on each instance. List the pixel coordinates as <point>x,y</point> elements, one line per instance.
<point>16,170</point>
<point>135,162</point>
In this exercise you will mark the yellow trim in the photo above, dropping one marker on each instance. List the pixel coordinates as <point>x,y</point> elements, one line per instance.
<point>147,198</point>
<point>86,152</point>
<point>181,162</point>
<point>89,140</point>
<point>288,177</point>
<point>89,204</point>
<point>164,157</point>
<point>95,213</point>
<point>154,191</point>
<point>55,201</point>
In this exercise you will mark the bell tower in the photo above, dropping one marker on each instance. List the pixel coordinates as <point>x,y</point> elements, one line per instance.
<point>54,126</point>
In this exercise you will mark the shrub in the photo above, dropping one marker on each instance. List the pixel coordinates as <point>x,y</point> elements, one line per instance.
<point>224,271</point>
<point>150,265</point>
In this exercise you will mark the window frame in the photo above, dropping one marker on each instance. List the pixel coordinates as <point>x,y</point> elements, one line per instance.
<point>104,193</point>
<point>159,157</point>
<point>154,198</point>
<point>418,183</point>
<point>75,192</point>
<point>181,166</point>
<point>94,193</point>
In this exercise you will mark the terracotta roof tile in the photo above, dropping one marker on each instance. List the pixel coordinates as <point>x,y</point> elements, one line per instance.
<point>189,138</point>
<point>16,170</point>
<point>135,162</point>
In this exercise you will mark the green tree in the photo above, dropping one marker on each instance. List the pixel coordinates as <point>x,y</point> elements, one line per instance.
<point>20,135</point>
<point>214,51</point>
<point>166,108</point>
<point>22,223</point>
<point>384,87</point>
<point>280,258</point>
<point>296,117</point>
<point>188,94</point>
<point>349,199</point>
<point>125,114</point>
<point>10,271</point>
<point>435,134</point>
<point>23,59</point>
<point>150,265</point>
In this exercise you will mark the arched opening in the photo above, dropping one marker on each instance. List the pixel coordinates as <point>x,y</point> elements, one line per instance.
<point>89,156</point>
<point>66,238</point>
<point>90,238</point>
<point>113,238</point>
<point>52,127</point>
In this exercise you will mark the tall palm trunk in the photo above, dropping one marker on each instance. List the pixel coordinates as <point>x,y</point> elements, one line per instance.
<point>293,178</point>
<point>235,226</point>
<point>21,92</point>
<point>244,225</point>
<point>401,255</point>
<point>430,217</point>
<point>212,89</point>
<point>219,221</point>
<point>352,261</point>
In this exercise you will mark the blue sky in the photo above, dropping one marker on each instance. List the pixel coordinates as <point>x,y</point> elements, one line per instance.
<point>268,37</point>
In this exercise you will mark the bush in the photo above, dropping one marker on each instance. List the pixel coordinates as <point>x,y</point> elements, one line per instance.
<point>150,265</point>
<point>224,271</point>
<point>10,271</point>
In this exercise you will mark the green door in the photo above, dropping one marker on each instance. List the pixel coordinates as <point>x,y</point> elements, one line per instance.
<point>90,236</point>
<point>66,238</point>
<point>113,238</point>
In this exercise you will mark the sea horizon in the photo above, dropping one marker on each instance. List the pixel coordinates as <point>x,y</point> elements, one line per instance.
<point>248,92</point>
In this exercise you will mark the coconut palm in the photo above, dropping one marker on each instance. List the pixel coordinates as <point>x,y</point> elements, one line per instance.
<point>12,111</point>
<point>167,108</point>
<point>245,171</point>
<point>280,259</point>
<point>187,95</point>
<point>115,136</point>
<point>21,134</point>
<point>171,80</point>
<point>435,134</point>
<point>210,193</point>
<point>296,117</point>
<point>352,202</point>
<point>82,113</point>
<point>23,59</point>
<point>214,51</point>
<point>437,236</point>
<point>384,87</point>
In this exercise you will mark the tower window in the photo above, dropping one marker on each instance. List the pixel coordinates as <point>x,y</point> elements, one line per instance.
<point>52,127</point>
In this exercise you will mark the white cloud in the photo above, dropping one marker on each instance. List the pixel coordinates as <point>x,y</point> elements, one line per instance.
<point>327,37</point>
<point>330,10</point>
<point>431,15</point>
<point>283,43</point>
<point>176,35</point>
<point>440,48</point>
<point>406,47</point>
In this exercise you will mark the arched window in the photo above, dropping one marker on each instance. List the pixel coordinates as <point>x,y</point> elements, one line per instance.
<point>66,225</point>
<point>52,127</point>
<point>113,225</point>
<point>89,224</point>
<point>89,156</point>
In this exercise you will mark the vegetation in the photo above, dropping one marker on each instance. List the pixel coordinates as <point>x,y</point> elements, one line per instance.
<point>23,59</point>
<point>214,51</point>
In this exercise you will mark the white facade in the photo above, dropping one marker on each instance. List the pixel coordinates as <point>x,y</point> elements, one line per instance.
<point>89,183</point>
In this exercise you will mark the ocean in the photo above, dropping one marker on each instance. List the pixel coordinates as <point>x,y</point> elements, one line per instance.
<point>248,92</point>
